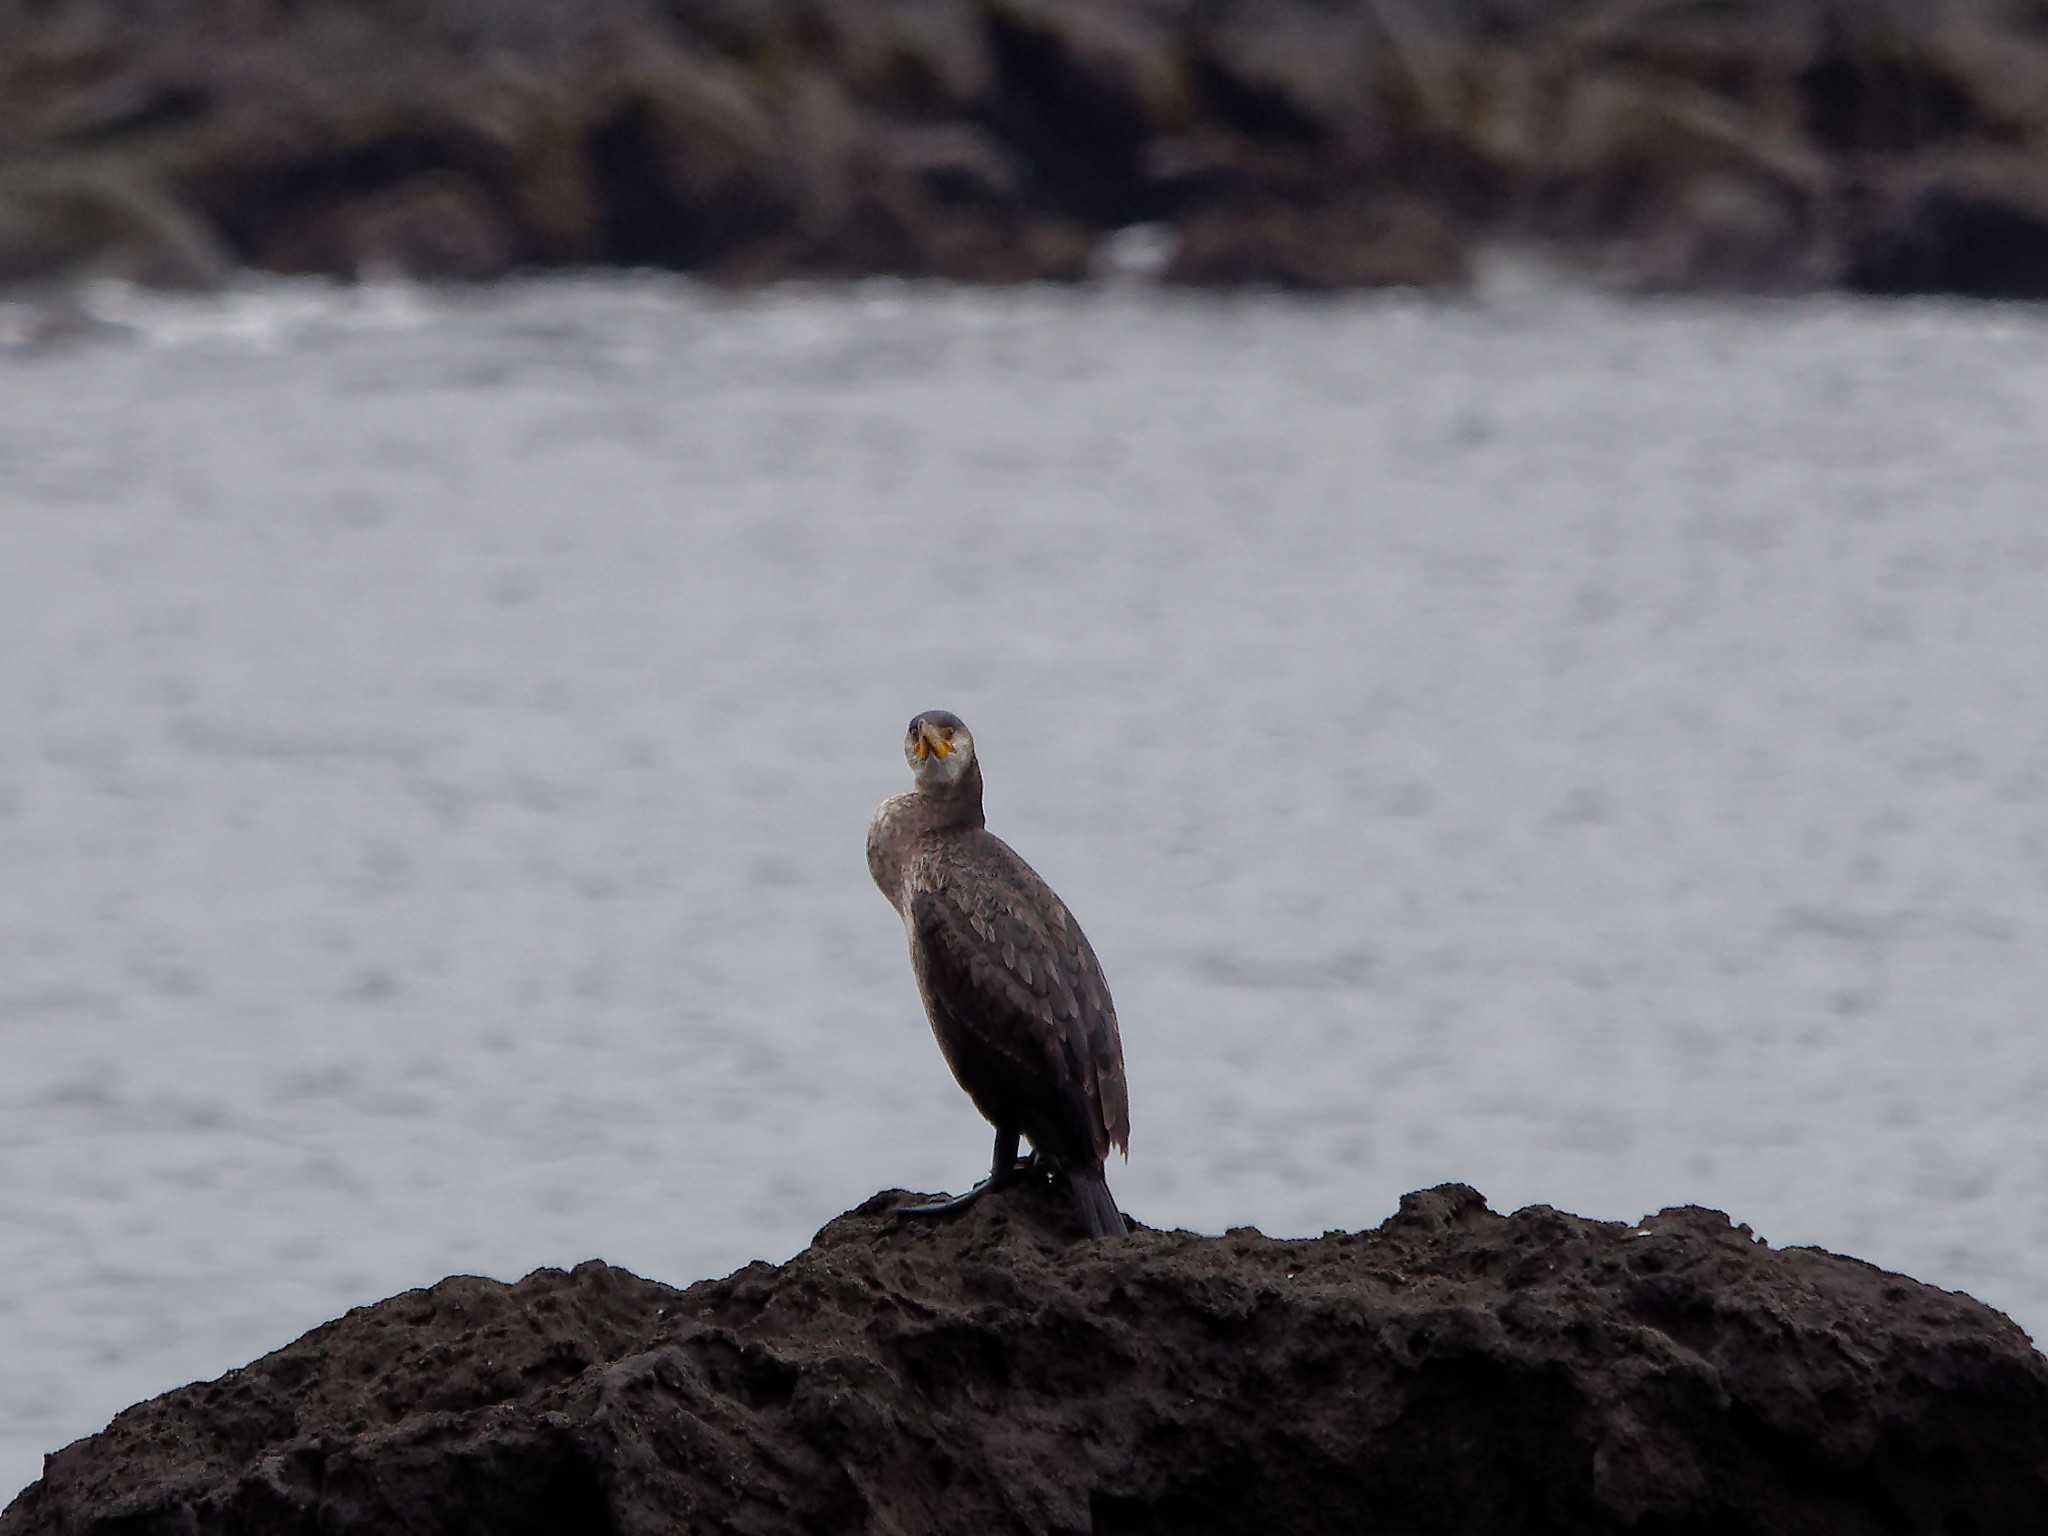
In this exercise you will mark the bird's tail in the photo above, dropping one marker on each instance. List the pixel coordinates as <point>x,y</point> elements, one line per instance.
<point>1094,1203</point>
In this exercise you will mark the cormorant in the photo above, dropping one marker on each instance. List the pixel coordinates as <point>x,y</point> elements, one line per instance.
<point>1011,985</point>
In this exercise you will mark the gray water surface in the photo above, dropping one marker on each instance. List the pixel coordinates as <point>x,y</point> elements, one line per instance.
<point>1592,751</point>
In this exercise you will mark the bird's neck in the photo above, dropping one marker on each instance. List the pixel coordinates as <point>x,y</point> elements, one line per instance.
<point>953,805</point>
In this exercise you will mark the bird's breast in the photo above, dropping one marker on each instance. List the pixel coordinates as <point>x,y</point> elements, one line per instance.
<point>892,836</point>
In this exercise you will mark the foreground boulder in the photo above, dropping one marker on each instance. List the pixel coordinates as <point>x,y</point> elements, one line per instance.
<point>1454,1370</point>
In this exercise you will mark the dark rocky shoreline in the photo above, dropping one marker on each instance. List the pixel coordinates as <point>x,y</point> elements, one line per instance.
<point>1453,1370</point>
<point>1746,145</point>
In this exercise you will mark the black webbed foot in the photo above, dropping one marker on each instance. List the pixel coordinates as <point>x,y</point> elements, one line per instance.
<point>1006,1167</point>
<point>948,1206</point>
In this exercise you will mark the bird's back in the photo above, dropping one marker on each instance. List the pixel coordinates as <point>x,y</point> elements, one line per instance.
<point>1016,993</point>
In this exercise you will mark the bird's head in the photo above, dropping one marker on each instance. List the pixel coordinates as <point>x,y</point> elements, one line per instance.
<point>939,748</point>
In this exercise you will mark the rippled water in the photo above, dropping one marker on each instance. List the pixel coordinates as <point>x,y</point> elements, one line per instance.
<point>1590,751</point>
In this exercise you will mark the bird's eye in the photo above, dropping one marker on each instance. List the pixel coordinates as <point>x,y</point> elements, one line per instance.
<point>947,733</point>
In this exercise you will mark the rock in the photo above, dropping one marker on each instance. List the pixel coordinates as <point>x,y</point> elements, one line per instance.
<point>1208,166</point>
<point>1295,71</point>
<point>1683,190</point>
<point>1746,52</point>
<point>1905,81</point>
<point>745,31</point>
<point>1079,91</point>
<point>1011,250</point>
<point>1673,146</point>
<point>911,57</point>
<point>105,112</point>
<point>1975,226</point>
<point>531,156</point>
<point>1453,1370</point>
<point>910,201</point>
<point>956,166</point>
<point>463,173</point>
<point>440,225</point>
<point>75,220</point>
<point>688,163</point>
<point>1724,233</point>
<point>2002,72</point>
<point>1347,243</point>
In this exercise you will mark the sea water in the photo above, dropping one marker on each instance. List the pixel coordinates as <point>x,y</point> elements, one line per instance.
<point>1592,750</point>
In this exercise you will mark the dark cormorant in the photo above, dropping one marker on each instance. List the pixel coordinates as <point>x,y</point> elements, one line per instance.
<point>1014,992</point>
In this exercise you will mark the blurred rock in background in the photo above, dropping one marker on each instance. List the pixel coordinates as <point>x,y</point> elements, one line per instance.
<point>1746,145</point>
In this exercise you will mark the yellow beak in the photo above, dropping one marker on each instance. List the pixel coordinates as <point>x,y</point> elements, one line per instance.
<point>931,744</point>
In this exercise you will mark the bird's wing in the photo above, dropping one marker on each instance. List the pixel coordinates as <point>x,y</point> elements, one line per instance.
<point>1024,972</point>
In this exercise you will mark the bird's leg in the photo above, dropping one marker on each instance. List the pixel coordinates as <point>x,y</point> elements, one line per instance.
<point>1004,1167</point>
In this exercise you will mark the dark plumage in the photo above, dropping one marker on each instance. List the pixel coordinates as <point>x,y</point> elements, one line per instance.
<point>1011,985</point>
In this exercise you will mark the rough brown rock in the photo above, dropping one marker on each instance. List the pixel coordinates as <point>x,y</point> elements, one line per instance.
<point>1453,1370</point>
